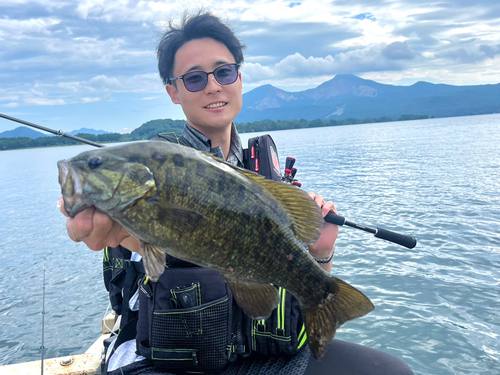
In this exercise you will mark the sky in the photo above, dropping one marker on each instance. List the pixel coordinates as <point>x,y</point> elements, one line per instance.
<point>92,63</point>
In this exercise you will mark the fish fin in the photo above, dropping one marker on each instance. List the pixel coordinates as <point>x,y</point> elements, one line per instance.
<point>257,300</point>
<point>342,303</point>
<point>154,260</point>
<point>304,213</point>
<point>182,218</point>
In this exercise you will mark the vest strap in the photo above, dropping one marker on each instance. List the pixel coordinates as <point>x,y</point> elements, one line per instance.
<point>133,272</point>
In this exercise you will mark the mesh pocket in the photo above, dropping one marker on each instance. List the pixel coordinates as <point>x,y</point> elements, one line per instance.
<point>202,330</point>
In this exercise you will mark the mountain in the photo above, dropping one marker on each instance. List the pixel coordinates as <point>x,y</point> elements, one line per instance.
<point>348,96</point>
<point>22,131</point>
<point>88,131</point>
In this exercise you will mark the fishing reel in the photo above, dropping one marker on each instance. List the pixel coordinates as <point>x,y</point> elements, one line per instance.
<point>290,172</point>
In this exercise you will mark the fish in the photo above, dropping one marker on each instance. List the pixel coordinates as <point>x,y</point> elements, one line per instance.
<point>196,207</point>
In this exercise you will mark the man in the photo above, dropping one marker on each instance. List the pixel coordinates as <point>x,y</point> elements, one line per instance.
<point>199,64</point>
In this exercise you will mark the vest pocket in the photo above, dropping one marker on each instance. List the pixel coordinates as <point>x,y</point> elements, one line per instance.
<point>197,336</point>
<point>188,321</point>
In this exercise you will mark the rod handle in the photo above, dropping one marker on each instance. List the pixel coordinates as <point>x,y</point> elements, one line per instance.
<point>335,219</point>
<point>400,239</point>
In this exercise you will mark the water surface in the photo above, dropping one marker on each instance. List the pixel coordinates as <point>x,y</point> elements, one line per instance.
<point>436,306</point>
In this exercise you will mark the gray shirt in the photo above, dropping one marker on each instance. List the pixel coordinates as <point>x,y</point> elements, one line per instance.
<point>202,143</point>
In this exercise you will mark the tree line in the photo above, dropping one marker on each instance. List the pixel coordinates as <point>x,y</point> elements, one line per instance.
<point>152,128</point>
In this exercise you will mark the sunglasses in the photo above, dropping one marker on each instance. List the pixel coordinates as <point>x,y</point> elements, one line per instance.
<point>197,81</point>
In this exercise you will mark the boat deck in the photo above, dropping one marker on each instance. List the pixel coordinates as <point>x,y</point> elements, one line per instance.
<point>81,364</point>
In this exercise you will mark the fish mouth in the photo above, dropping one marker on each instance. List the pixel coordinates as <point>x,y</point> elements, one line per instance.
<point>72,189</point>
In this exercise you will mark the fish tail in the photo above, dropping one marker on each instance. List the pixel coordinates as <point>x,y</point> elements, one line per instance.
<point>342,303</point>
<point>154,261</point>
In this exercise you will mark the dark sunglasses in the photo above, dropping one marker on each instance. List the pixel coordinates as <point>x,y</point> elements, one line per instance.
<point>197,81</point>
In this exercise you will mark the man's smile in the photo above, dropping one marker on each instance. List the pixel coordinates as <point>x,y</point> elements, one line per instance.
<point>216,105</point>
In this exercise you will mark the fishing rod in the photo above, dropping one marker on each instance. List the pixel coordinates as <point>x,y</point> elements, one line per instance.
<point>56,132</point>
<point>43,316</point>
<point>400,239</point>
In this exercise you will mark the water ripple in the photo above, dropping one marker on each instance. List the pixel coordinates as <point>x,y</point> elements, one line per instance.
<point>436,306</point>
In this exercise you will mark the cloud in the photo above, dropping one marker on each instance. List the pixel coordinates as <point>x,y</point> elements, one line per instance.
<point>100,88</point>
<point>10,105</point>
<point>91,100</point>
<point>489,52</point>
<point>43,101</point>
<point>277,39</point>
<point>471,57</point>
<point>399,51</point>
<point>369,59</point>
<point>81,51</point>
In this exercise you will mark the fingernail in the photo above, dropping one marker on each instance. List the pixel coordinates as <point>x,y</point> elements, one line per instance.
<point>59,202</point>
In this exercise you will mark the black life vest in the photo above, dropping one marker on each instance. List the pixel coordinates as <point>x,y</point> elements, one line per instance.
<point>120,276</point>
<point>188,320</point>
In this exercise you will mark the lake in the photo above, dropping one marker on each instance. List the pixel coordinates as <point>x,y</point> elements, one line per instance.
<point>436,306</point>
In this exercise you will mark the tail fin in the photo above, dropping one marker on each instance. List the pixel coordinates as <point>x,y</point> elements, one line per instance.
<point>343,303</point>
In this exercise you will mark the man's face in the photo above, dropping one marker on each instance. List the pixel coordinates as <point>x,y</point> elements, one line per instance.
<point>214,107</point>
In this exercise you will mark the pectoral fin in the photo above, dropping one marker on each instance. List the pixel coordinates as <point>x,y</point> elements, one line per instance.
<point>153,259</point>
<point>181,218</point>
<point>257,300</point>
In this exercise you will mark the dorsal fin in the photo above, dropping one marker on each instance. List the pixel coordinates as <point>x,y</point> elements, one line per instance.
<point>303,211</point>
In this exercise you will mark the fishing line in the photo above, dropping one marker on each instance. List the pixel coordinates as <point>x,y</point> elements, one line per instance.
<point>43,314</point>
<point>113,333</point>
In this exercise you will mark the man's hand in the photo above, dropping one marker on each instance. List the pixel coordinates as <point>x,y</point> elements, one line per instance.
<point>325,246</point>
<point>96,229</point>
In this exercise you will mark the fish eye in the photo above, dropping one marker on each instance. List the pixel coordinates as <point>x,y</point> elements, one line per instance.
<point>95,162</point>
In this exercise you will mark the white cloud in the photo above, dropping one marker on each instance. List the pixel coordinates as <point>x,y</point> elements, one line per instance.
<point>16,29</point>
<point>370,58</point>
<point>43,101</point>
<point>101,88</point>
<point>91,100</point>
<point>124,10</point>
<point>89,50</point>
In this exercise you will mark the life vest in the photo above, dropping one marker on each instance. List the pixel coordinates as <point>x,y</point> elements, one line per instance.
<point>120,276</point>
<point>188,320</point>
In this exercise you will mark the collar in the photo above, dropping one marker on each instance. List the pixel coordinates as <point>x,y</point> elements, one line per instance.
<point>203,143</point>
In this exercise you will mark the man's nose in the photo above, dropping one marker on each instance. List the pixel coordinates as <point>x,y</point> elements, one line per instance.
<point>212,84</point>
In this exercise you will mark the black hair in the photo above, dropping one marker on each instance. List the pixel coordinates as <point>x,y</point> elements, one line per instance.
<point>198,26</point>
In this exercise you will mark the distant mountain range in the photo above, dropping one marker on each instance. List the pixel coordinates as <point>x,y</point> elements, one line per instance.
<point>23,131</point>
<point>88,131</point>
<point>348,96</point>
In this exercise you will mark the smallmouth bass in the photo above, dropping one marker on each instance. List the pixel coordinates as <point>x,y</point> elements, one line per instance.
<point>198,208</point>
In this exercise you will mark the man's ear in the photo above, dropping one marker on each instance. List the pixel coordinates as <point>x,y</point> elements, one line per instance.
<point>174,95</point>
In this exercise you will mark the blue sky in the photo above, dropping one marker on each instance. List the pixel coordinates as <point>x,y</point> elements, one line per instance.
<point>73,64</point>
